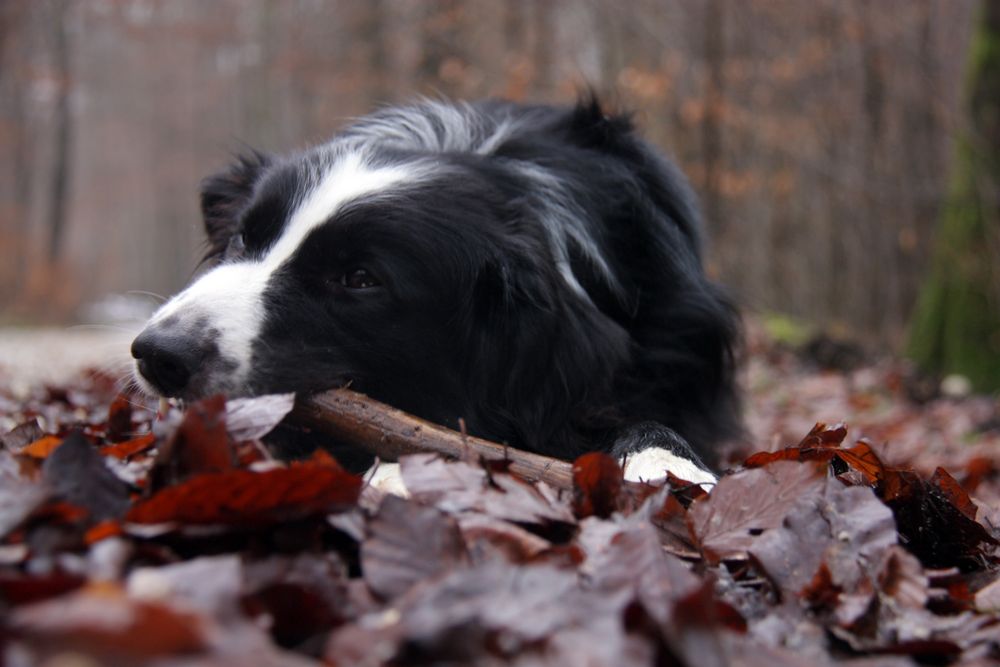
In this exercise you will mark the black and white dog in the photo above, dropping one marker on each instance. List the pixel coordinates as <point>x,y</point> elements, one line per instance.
<point>534,270</point>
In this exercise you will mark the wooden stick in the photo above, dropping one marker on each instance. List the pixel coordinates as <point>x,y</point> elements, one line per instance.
<point>389,433</point>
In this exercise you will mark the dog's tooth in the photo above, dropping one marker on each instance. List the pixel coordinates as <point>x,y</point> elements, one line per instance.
<point>163,407</point>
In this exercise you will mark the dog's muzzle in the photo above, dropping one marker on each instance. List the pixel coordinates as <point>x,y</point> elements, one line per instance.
<point>168,361</point>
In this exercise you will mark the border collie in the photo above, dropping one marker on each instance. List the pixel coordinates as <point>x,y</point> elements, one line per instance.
<point>535,270</point>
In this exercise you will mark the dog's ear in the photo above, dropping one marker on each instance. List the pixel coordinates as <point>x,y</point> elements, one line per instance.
<point>224,196</point>
<point>533,331</point>
<point>591,125</point>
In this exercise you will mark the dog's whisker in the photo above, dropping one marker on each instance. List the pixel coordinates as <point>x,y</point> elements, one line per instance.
<point>153,295</point>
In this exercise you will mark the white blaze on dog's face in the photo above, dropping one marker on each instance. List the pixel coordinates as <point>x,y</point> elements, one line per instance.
<point>201,341</point>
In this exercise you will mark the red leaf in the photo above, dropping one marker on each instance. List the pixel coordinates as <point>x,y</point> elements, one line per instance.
<point>701,609</point>
<point>294,612</point>
<point>103,530</point>
<point>245,498</point>
<point>821,592</point>
<point>954,492</point>
<point>129,448</point>
<point>119,419</point>
<point>822,435</point>
<point>976,471</point>
<point>42,448</point>
<point>862,458</point>
<point>17,588</point>
<point>101,621</point>
<point>199,445</point>
<point>761,459</point>
<point>597,483</point>
<point>58,512</point>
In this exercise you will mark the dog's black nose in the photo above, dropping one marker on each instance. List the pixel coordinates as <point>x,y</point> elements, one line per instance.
<point>166,361</point>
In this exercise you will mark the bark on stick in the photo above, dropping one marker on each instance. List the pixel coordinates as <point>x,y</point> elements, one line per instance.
<point>389,433</point>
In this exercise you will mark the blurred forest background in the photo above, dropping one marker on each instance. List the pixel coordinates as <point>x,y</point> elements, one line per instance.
<point>818,134</point>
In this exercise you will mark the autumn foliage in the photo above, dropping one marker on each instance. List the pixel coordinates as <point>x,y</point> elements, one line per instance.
<point>129,539</point>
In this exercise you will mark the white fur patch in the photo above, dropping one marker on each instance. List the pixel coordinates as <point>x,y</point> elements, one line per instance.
<point>565,223</point>
<point>349,179</point>
<point>436,127</point>
<point>229,298</point>
<point>439,127</point>
<point>653,463</point>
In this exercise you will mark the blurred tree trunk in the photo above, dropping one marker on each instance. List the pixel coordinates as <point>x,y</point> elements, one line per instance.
<point>711,124</point>
<point>63,126</point>
<point>15,174</point>
<point>956,328</point>
<point>544,49</point>
<point>442,54</point>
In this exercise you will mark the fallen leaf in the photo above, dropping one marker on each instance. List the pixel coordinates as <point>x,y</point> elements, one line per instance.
<point>597,483</point>
<point>102,531</point>
<point>746,503</point>
<point>988,598</point>
<point>42,448</point>
<point>199,445</point>
<point>253,418</point>
<point>19,497</point>
<point>129,448</point>
<point>701,609</point>
<point>22,435</point>
<point>102,621</point>
<point>845,529</point>
<point>823,435</point>
<point>76,473</point>
<point>627,555</point>
<point>954,493</point>
<point>251,499</point>
<point>408,544</point>
<point>119,424</point>
<point>18,588</point>
<point>457,486</point>
<point>930,525</point>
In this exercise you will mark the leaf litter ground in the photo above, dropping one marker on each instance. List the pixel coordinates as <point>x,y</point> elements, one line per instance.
<point>132,539</point>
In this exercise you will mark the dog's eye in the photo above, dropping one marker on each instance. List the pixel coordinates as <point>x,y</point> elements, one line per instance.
<point>358,279</point>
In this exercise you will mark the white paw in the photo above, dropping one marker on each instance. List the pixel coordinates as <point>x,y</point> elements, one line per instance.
<point>653,463</point>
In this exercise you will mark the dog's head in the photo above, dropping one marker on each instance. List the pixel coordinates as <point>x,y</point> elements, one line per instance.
<point>496,263</point>
<point>422,276</point>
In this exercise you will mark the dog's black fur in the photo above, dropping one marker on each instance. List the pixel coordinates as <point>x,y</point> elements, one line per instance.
<point>467,305</point>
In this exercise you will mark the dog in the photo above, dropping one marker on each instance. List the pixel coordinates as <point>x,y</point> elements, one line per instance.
<point>534,270</point>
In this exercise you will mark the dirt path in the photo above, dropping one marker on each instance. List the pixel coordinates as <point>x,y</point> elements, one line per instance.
<point>32,356</point>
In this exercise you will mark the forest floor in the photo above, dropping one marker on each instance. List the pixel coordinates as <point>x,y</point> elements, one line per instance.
<point>786,392</point>
<point>132,538</point>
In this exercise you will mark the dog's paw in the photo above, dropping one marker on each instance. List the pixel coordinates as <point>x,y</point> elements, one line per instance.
<point>648,451</point>
<point>655,462</point>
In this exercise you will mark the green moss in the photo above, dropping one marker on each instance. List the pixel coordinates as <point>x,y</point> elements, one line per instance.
<point>956,325</point>
<point>786,329</point>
